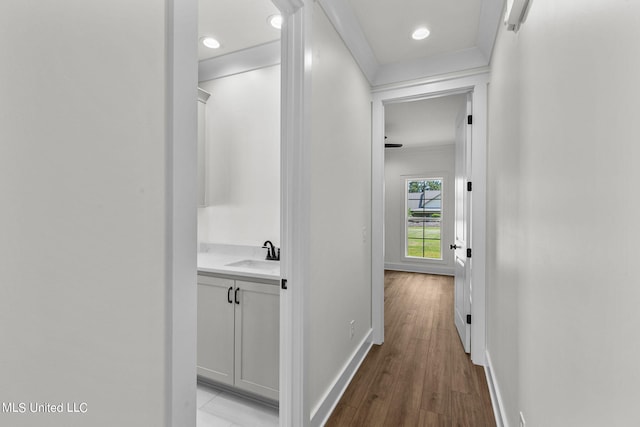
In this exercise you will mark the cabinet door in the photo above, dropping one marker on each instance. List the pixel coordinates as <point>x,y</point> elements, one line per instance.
<point>258,338</point>
<point>215,329</point>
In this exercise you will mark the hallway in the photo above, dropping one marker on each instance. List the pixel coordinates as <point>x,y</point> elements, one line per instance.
<point>420,376</point>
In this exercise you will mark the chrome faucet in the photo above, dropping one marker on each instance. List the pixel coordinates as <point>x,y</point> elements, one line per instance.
<point>271,251</point>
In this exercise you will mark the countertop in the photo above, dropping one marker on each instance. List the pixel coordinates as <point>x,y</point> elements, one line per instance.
<point>214,258</point>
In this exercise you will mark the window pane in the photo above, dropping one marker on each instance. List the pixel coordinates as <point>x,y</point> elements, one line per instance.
<point>424,218</point>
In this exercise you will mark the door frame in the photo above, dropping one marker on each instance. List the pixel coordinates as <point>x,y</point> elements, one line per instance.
<point>475,82</point>
<point>294,209</point>
<point>181,68</point>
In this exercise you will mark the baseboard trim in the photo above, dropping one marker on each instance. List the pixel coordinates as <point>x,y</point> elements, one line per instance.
<point>494,391</point>
<point>320,415</point>
<point>427,269</point>
<point>238,392</point>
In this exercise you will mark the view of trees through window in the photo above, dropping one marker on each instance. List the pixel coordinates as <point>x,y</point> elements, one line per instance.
<point>423,218</point>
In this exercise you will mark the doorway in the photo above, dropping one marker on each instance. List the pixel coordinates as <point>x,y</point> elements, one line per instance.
<point>239,52</point>
<point>419,183</point>
<point>181,68</point>
<point>426,215</point>
<point>475,84</point>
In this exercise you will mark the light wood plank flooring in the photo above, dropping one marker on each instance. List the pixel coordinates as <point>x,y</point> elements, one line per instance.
<point>421,375</point>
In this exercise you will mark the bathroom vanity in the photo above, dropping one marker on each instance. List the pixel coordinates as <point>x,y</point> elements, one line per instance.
<point>238,320</point>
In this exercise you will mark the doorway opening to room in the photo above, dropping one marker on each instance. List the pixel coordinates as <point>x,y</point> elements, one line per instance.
<point>431,126</point>
<point>239,213</point>
<point>426,215</point>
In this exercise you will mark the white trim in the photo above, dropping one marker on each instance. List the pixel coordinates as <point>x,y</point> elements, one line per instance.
<point>479,220</point>
<point>288,7</point>
<point>418,268</point>
<point>445,178</point>
<point>180,207</point>
<point>203,95</point>
<point>496,396</point>
<point>347,25</point>
<point>377,221</point>
<point>476,83</point>
<point>323,410</point>
<point>241,61</point>
<point>295,208</point>
<point>490,16</point>
<point>431,80</point>
<point>445,63</point>
<point>344,20</point>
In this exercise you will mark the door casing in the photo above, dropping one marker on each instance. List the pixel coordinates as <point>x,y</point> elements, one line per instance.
<point>475,82</point>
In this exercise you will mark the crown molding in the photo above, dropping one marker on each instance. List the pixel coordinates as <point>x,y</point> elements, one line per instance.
<point>348,27</point>
<point>253,58</point>
<point>288,7</point>
<point>490,16</point>
<point>407,85</point>
<point>344,20</point>
<point>445,63</point>
<point>203,95</point>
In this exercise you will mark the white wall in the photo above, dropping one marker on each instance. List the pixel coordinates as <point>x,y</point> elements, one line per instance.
<point>340,257</point>
<point>243,144</point>
<point>562,288</point>
<point>404,163</point>
<point>85,258</point>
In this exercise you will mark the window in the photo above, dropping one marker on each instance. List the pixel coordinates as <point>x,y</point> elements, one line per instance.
<point>423,218</point>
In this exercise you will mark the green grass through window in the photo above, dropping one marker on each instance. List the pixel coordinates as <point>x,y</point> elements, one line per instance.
<point>424,242</point>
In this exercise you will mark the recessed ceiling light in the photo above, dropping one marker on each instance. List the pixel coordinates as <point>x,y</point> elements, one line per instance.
<point>211,43</point>
<point>275,21</point>
<point>420,33</point>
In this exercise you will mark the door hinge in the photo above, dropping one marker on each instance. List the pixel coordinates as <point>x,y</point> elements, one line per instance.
<point>283,283</point>
<point>469,119</point>
<point>468,252</point>
<point>468,319</point>
<point>469,186</point>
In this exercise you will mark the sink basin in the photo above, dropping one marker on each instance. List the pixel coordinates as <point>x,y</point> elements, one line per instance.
<point>255,264</point>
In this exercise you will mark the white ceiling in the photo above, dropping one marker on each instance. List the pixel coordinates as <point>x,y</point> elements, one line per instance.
<point>387,26</point>
<point>423,123</point>
<point>378,33</point>
<point>236,24</point>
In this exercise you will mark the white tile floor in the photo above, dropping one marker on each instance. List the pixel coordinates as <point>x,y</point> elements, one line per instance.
<point>221,409</point>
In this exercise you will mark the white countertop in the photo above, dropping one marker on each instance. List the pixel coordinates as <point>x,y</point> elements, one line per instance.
<point>214,258</point>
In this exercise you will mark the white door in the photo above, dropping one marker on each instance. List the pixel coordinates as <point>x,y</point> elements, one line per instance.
<point>462,287</point>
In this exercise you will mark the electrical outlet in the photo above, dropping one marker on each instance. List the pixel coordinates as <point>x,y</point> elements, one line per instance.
<point>364,234</point>
<point>523,423</point>
<point>352,328</point>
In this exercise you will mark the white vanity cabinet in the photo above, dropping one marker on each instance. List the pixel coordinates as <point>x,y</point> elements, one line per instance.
<point>238,334</point>
<point>215,329</point>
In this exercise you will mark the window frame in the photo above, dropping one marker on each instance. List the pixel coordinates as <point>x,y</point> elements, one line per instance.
<point>405,229</point>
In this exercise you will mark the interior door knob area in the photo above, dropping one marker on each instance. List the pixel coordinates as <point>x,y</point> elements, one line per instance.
<point>453,247</point>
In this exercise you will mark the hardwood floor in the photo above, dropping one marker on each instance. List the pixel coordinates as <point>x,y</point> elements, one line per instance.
<point>421,375</point>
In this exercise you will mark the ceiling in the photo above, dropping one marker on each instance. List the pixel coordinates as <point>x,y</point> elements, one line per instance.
<point>236,24</point>
<point>423,123</point>
<point>378,33</point>
<point>387,26</point>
